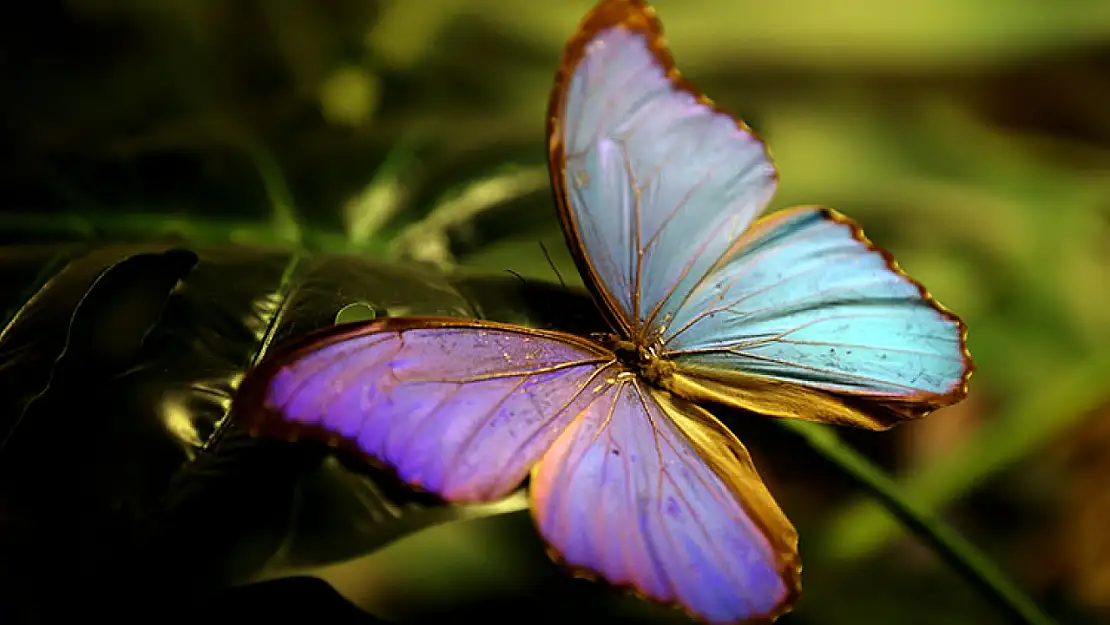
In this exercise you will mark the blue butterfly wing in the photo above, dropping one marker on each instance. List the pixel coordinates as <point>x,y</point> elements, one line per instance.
<point>804,317</point>
<point>653,181</point>
<point>462,409</point>
<point>797,315</point>
<point>652,492</point>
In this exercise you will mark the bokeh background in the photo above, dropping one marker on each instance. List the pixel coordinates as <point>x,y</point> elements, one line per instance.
<point>970,137</point>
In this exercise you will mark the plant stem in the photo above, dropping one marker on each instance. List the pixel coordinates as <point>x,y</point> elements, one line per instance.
<point>1015,433</point>
<point>958,552</point>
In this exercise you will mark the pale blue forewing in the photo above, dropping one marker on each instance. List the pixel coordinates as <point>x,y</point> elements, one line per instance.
<point>655,183</point>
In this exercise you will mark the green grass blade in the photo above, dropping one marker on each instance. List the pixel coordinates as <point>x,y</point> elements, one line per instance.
<point>1069,396</point>
<point>976,568</point>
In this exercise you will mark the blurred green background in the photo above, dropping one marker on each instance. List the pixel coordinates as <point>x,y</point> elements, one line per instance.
<point>970,137</point>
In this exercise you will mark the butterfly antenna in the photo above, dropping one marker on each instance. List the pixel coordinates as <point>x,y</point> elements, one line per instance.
<point>551,263</point>
<point>518,276</point>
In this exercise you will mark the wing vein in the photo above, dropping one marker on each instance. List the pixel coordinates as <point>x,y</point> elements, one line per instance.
<point>634,248</point>
<point>716,307</point>
<point>428,418</point>
<point>488,417</point>
<point>834,372</point>
<point>569,364</point>
<point>567,404</point>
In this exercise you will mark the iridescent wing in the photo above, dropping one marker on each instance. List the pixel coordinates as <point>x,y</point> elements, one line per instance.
<point>460,408</point>
<point>804,317</point>
<point>653,182</point>
<point>653,493</point>
<point>640,487</point>
<point>798,315</point>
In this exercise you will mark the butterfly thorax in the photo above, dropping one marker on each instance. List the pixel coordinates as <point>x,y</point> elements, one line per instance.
<point>640,359</point>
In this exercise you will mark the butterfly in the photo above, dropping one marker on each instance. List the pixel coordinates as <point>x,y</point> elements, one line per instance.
<point>795,314</point>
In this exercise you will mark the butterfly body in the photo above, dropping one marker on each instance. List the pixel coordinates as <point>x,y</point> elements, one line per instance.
<point>642,360</point>
<point>792,315</point>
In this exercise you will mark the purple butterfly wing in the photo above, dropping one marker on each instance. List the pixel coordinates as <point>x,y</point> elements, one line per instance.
<point>462,409</point>
<point>652,492</point>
